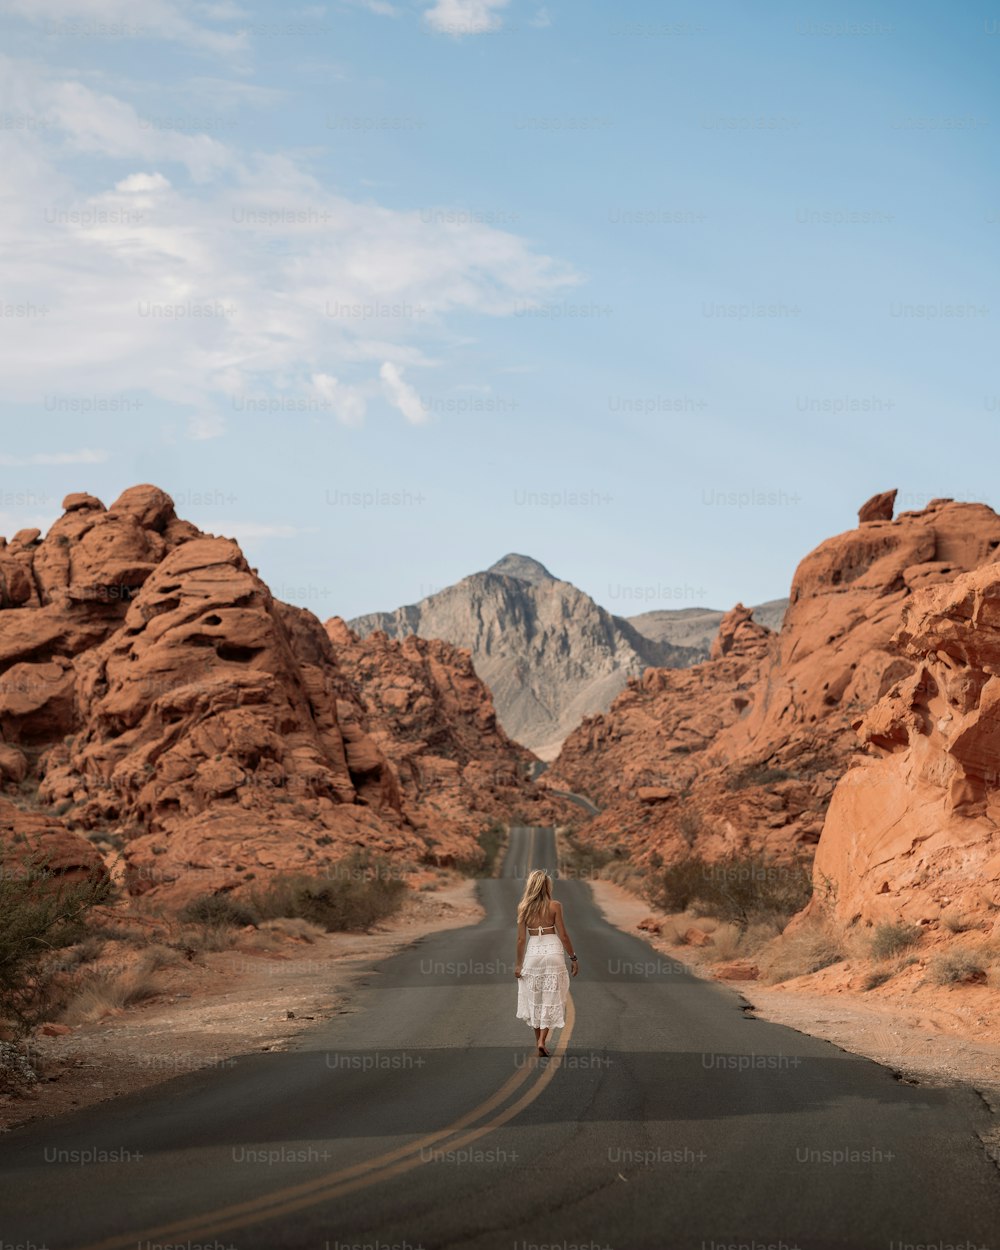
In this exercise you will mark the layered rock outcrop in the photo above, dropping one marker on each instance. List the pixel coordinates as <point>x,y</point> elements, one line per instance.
<point>913,829</point>
<point>157,696</point>
<point>435,722</point>
<point>754,752</point>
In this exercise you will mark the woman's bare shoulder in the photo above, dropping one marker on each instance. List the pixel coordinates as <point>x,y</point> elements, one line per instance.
<point>556,905</point>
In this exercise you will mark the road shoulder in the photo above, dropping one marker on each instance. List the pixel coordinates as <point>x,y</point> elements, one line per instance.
<point>227,1003</point>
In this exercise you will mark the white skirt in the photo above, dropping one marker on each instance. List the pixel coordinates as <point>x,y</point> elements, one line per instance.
<point>544,983</point>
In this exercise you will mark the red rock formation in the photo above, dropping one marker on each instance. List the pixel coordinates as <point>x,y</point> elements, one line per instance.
<point>159,695</point>
<point>913,831</point>
<point>41,840</point>
<point>755,749</point>
<point>878,508</point>
<point>435,722</point>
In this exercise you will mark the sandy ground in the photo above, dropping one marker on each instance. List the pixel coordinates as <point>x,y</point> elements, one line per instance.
<point>930,1035</point>
<point>225,1004</point>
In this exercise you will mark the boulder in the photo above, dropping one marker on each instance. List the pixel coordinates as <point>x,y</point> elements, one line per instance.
<point>878,508</point>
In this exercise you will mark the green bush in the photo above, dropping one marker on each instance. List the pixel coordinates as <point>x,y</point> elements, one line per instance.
<point>584,863</point>
<point>356,894</point>
<point>741,889</point>
<point>490,841</point>
<point>889,939</point>
<point>218,911</point>
<point>38,914</point>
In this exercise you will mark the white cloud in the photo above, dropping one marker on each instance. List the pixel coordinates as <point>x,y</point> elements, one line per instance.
<point>143,182</point>
<point>83,456</point>
<point>402,395</point>
<point>206,426</point>
<point>465,17</point>
<point>178,21</point>
<point>198,273</point>
<point>346,402</point>
<point>541,19</point>
<point>382,7</point>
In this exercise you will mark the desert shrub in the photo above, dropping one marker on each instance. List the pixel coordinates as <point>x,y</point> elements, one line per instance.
<point>356,896</point>
<point>953,922</point>
<point>757,775</point>
<point>741,889</point>
<point>38,914</point>
<point>874,979</point>
<point>959,967</point>
<point>218,910</point>
<point>675,887</point>
<point>889,939</point>
<point>690,825</point>
<point>490,842</point>
<point>585,863</point>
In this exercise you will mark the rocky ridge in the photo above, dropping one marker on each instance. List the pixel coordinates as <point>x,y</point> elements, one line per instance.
<point>155,695</point>
<point>744,751</point>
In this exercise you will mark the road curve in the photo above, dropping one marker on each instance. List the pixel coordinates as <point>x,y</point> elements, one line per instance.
<point>667,1119</point>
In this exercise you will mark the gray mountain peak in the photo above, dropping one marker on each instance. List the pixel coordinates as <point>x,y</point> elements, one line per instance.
<point>524,568</point>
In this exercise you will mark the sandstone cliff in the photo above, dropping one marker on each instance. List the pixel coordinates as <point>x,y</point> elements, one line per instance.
<point>913,829</point>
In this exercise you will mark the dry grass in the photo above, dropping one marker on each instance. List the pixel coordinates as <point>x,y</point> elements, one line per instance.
<point>953,922</point>
<point>807,950</point>
<point>159,956</point>
<point>295,927</point>
<point>103,993</point>
<point>208,937</point>
<point>889,939</point>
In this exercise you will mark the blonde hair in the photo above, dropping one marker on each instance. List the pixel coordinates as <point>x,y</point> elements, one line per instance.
<point>537,891</point>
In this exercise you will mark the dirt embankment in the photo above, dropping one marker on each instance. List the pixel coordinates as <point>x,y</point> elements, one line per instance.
<point>925,1032</point>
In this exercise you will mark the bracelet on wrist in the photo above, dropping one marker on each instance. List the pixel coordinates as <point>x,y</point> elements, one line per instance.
<point>573,958</point>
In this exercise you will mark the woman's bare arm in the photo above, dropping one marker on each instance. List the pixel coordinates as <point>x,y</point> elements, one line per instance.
<point>522,935</point>
<point>563,935</point>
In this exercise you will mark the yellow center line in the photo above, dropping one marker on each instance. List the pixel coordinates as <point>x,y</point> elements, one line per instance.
<point>359,1175</point>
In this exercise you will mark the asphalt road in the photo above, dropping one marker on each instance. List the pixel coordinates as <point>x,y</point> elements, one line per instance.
<point>670,1120</point>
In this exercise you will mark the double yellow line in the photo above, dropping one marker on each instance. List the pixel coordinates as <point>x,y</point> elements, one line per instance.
<point>360,1175</point>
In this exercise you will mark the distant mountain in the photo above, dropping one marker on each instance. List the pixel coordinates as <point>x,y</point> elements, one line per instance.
<point>546,650</point>
<point>696,627</point>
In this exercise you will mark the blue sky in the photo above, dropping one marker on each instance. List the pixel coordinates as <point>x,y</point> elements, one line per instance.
<point>387,289</point>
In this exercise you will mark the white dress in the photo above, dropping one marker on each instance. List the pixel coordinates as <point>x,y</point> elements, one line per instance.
<point>544,982</point>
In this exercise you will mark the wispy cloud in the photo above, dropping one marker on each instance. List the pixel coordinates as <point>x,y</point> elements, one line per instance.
<point>179,21</point>
<point>382,7</point>
<point>200,272</point>
<point>465,17</point>
<point>402,395</point>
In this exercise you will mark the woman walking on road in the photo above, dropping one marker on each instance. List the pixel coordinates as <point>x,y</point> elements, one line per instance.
<point>542,981</point>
